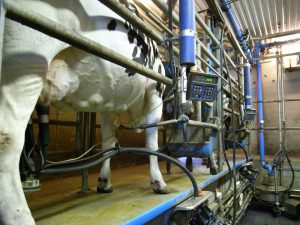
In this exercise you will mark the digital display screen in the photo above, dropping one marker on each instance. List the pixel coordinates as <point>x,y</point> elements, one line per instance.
<point>209,80</point>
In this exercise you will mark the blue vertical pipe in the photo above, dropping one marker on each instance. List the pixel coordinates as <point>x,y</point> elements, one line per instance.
<point>247,86</point>
<point>226,7</point>
<point>263,162</point>
<point>187,32</point>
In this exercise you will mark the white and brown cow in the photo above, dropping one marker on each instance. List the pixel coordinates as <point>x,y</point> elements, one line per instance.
<point>34,64</point>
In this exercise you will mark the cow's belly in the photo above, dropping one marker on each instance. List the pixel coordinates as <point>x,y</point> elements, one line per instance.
<point>77,81</point>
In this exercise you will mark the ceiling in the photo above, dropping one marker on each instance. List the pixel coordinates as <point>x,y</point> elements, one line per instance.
<point>266,17</point>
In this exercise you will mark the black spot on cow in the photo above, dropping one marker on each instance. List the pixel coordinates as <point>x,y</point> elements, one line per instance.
<point>145,49</point>
<point>155,50</point>
<point>112,25</point>
<point>126,25</point>
<point>140,40</point>
<point>131,35</point>
<point>159,68</point>
<point>159,88</point>
<point>134,53</point>
<point>130,74</point>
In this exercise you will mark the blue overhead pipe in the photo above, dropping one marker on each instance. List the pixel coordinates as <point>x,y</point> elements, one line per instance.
<point>263,162</point>
<point>187,26</point>
<point>247,86</point>
<point>226,6</point>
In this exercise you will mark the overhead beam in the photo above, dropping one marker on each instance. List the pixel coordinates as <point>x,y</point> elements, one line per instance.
<point>280,34</point>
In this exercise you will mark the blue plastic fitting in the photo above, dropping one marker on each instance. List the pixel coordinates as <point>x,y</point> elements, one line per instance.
<point>187,32</point>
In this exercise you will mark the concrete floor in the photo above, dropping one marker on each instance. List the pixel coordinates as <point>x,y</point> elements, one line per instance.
<point>61,202</point>
<point>264,216</point>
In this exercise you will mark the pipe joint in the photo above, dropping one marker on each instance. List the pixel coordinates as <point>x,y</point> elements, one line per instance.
<point>268,167</point>
<point>261,123</point>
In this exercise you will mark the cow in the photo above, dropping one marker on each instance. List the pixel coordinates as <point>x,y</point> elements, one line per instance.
<point>36,67</point>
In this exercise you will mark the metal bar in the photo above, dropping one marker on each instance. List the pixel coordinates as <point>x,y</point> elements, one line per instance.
<point>159,23</point>
<point>285,100</point>
<point>230,111</point>
<point>203,125</point>
<point>121,10</point>
<point>276,56</point>
<point>93,129</point>
<point>47,26</point>
<point>164,8</point>
<point>217,73</point>
<point>85,172</point>
<point>279,96</point>
<point>236,30</point>
<point>78,133</point>
<point>59,122</point>
<point>159,209</point>
<point>281,34</point>
<point>275,128</point>
<point>2,21</point>
<point>207,30</point>
<point>153,17</point>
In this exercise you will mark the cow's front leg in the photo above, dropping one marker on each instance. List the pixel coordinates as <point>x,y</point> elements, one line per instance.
<point>108,141</point>
<point>19,92</point>
<point>157,182</point>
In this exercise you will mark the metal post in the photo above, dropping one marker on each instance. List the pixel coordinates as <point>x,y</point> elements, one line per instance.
<point>78,133</point>
<point>2,21</point>
<point>219,108</point>
<point>242,86</point>
<point>282,115</point>
<point>85,172</point>
<point>93,129</point>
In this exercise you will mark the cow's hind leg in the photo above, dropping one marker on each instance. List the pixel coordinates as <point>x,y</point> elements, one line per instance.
<point>19,91</point>
<point>108,141</point>
<point>156,179</point>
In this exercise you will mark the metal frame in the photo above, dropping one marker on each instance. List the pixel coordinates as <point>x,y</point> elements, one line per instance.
<point>45,25</point>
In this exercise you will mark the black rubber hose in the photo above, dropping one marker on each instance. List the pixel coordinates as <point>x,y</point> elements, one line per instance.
<point>80,161</point>
<point>222,116</point>
<point>53,169</point>
<point>234,133</point>
<point>242,147</point>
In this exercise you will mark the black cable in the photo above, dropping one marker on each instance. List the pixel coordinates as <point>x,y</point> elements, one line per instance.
<point>242,147</point>
<point>292,169</point>
<point>222,117</point>
<point>278,160</point>
<point>234,156</point>
<point>53,169</point>
<point>79,161</point>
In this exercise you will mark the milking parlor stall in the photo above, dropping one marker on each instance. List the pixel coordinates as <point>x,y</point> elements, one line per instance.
<point>137,112</point>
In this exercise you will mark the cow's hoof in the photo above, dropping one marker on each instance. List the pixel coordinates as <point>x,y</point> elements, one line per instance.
<point>102,190</point>
<point>104,186</point>
<point>162,191</point>
<point>157,188</point>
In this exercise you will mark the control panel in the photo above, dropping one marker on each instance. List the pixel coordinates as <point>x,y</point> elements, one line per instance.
<point>202,87</point>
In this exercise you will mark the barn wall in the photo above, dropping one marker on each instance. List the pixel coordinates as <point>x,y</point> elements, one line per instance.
<point>62,143</point>
<point>291,85</point>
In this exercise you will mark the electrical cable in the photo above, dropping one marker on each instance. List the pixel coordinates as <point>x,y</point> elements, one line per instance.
<point>52,168</point>
<point>241,146</point>
<point>222,117</point>
<point>234,156</point>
